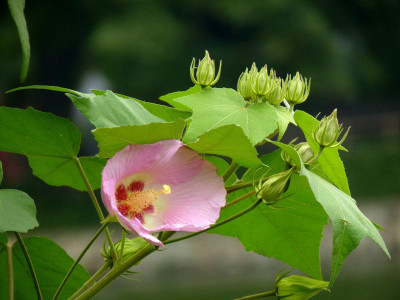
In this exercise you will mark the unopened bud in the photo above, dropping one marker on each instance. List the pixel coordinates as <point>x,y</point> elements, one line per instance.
<point>297,89</point>
<point>303,149</point>
<point>276,96</point>
<point>205,74</point>
<point>263,83</point>
<point>299,287</point>
<point>131,246</point>
<point>328,131</point>
<point>273,187</point>
<point>244,85</point>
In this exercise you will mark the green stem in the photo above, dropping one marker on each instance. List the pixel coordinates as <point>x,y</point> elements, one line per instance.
<point>239,186</point>
<point>96,206</point>
<point>231,169</point>
<point>121,252</point>
<point>260,295</point>
<point>30,265</point>
<point>10,273</point>
<point>92,279</point>
<point>251,193</point>
<point>60,288</point>
<point>115,272</point>
<point>254,205</point>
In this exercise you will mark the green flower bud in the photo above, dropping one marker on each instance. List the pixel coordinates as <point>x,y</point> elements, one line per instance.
<point>328,131</point>
<point>297,89</point>
<point>130,247</point>
<point>276,96</point>
<point>303,149</point>
<point>273,187</point>
<point>243,86</point>
<point>263,83</point>
<point>297,287</point>
<point>205,74</point>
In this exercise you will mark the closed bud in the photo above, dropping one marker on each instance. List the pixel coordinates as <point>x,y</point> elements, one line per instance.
<point>263,83</point>
<point>328,131</point>
<point>297,89</point>
<point>273,187</point>
<point>205,74</point>
<point>299,287</point>
<point>131,246</point>
<point>303,149</point>
<point>276,96</point>
<point>243,86</point>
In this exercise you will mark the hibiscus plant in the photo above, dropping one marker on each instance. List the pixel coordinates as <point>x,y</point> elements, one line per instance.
<point>191,165</point>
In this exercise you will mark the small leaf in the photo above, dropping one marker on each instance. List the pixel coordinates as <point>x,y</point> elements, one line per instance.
<point>329,160</point>
<point>170,98</point>
<point>51,264</point>
<point>228,141</point>
<point>213,108</point>
<point>291,151</point>
<point>46,87</point>
<point>350,226</point>
<point>17,211</point>
<point>109,110</point>
<point>112,140</point>
<point>58,171</point>
<point>284,118</point>
<point>17,12</point>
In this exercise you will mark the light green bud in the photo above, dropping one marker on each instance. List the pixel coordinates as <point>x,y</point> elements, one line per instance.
<point>303,149</point>
<point>273,187</point>
<point>276,96</point>
<point>328,131</point>
<point>205,74</point>
<point>263,83</point>
<point>297,287</point>
<point>243,86</point>
<point>131,246</point>
<point>297,89</point>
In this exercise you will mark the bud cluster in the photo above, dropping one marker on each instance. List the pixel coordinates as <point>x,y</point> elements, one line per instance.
<point>264,86</point>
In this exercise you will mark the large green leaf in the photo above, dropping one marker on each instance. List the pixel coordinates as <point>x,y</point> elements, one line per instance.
<point>228,141</point>
<point>17,12</point>
<point>168,114</point>
<point>329,161</point>
<point>3,266</point>
<point>51,264</point>
<point>60,171</point>
<point>291,231</point>
<point>109,110</point>
<point>213,108</point>
<point>170,98</point>
<point>112,140</point>
<point>350,226</point>
<point>51,143</point>
<point>17,211</point>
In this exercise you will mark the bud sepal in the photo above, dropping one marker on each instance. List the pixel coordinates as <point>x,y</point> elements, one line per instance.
<point>205,74</point>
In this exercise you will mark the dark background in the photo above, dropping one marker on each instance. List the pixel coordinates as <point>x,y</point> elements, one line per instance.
<point>143,49</point>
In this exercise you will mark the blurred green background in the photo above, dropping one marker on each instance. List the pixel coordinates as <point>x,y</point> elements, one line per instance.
<point>143,49</point>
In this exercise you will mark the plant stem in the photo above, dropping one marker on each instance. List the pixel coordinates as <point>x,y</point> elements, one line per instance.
<point>254,205</point>
<point>91,280</point>
<point>251,193</point>
<point>30,265</point>
<point>231,169</point>
<point>260,295</point>
<point>96,206</point>
<point>239,186</point>
<point>10,273</point>
<point>115,272</point>
<point>58,292</point>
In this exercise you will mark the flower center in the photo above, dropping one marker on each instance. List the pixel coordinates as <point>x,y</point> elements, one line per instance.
<point>133,201</point>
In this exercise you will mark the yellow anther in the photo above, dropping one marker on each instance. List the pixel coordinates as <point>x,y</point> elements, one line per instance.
<point>166,189</point>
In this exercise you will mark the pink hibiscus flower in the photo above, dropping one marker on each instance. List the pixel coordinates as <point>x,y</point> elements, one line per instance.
<point>162,186</point>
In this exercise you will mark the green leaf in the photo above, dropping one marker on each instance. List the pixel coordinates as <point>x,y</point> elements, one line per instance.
<point>51,264</point>
<point>350,226</point>
<point>329,160</point>
<point>3,266</point>
<point>112,140</point>
<point>228,141</point>
<point>109,110</point>
<point>17,12</point>
<point>284,118</point>
<point>168,114</point>
<point>299,287</point>
<point>58,171</point>
<point>291,231</point>
<point>291,151</point>
<point>17,211</point>
<point>47,87</point>
<point>1,172</point>
<point>213,108</point>
<point>170,98</point>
